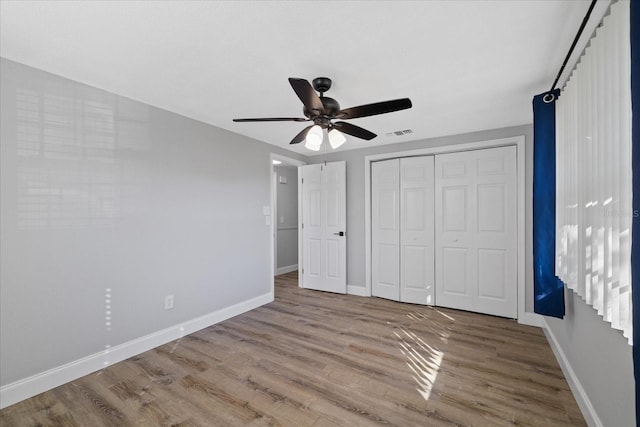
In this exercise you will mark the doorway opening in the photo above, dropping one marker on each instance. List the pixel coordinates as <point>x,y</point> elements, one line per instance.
<point>284,208</point>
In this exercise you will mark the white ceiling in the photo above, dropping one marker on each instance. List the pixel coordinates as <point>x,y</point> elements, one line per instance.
<point>466,65</point>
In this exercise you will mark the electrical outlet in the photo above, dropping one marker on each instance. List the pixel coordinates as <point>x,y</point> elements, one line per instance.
<point>168,302</point>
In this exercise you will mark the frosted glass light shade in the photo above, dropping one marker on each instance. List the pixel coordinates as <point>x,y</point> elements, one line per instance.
<point>313,140</point>
<point>336,138</point>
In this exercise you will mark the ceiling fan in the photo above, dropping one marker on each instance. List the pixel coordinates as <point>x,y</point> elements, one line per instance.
<point>322,110</point>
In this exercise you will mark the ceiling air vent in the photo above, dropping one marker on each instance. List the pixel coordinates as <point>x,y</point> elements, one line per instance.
<point>400,132</point>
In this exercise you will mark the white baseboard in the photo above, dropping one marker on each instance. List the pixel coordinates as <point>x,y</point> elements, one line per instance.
<point>286,269</point>
<point>531,319</point>
<point>357,290</point>
<point>36,384</point>
<point>588,412</point>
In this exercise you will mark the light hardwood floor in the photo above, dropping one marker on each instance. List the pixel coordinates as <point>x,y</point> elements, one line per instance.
<point>317,359</point>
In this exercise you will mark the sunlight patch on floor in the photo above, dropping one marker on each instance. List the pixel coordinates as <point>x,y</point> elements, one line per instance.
<point>437,328</point>
<point>421,358</point>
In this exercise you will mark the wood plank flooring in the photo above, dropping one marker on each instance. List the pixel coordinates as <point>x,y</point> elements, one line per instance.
<point>317,359</point>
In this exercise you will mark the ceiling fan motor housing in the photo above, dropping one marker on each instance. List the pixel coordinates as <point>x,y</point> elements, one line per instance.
<point>322,84</point>
<point>331,108</point>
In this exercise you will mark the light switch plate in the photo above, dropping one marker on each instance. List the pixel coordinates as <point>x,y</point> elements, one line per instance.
<point>266,210</point>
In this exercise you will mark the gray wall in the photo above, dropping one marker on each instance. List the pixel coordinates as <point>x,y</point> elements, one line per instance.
<point>601,359</point>
<point>287,216</point>
<point>107,205</point>
<point>355,193</point>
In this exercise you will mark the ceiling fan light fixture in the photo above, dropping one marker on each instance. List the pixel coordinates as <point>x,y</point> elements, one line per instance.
<point>312,147</point>
<point>313,141</point>
<point>322,110</point>
<point>336,138</point>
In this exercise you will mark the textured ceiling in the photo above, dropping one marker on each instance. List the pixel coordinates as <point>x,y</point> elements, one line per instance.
<point>466,65</point>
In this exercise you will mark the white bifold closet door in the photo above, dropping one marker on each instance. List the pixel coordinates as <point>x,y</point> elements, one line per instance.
<point>402,229</point>
<point>476,234</point>
<point>385,229</point>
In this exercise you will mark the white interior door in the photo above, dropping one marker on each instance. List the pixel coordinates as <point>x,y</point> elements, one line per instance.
<point>385,229</point>
<point>417,230</point>
<point>324,227</point>
<point>476,235</point>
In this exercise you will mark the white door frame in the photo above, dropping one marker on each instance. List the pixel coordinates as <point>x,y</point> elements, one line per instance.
<point>524,317</point>
<point>288,161</point>
<point>274,216</point>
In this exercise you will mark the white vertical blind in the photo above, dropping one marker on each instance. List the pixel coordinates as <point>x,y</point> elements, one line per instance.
<point>593,173</point>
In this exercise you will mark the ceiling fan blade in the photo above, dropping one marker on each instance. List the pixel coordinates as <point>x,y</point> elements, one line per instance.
<point>354,130</point>
<point>301,136</point>
<point>273,119</point>
<point>375,108</point>
<point>307,95</point>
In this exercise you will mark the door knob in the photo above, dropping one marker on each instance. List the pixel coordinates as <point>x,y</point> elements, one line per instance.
<point>339,233</point>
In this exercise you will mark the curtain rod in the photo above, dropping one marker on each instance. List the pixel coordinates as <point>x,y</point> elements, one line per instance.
<point>573,45</point>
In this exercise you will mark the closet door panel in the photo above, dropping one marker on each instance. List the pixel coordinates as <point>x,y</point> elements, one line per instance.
<point>476,235</point>
<point>385,229</point>
<point>454,273</point>
<point>416,230</point>
<point>455,263</point>
<point>496,231</point>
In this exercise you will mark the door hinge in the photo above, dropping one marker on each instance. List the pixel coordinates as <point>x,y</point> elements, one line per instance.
<point>303,271</point>
<point>302,181</point>
<point>303,225</point>
<point>321,168</point>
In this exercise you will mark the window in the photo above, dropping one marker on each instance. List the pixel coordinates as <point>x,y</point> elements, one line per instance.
<point>593,174</point>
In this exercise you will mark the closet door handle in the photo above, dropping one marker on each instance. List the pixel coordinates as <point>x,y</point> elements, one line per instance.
<point>339,233</point>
